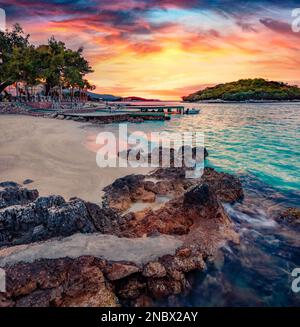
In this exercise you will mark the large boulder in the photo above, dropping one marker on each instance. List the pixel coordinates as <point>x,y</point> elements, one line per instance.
<point>179,216</point>
<point>227,187</point>
<point>127,190</point>
<point>27,218</point>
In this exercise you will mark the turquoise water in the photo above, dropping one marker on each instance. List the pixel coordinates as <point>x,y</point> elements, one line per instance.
<point>257,139</point>
<point>259,143</point>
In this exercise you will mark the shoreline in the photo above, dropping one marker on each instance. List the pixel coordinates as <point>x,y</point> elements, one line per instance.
<point>194,217</point>
<point>56,155</point>
<point>131,270</point>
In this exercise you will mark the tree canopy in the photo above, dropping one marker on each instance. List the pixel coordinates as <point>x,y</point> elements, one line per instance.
<point>52,64</point>
<point>247,89</point>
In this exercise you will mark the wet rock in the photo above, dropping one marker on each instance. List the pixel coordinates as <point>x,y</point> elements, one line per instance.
<point>200,195</point>
<point>195,212</point>
<point>123,192</point>
<point>290,217</point>
<point>179,216</point>
<point>227,187</point>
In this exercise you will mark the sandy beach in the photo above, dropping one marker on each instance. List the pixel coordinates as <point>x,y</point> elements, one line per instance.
<point>57,155</point>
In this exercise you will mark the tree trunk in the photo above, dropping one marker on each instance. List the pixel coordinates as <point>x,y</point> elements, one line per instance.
<point>47,89</point>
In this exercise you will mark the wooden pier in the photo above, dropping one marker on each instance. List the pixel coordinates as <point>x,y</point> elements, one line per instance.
<point>115,113</point>
<point>169,110</point>
<point>106,117</point>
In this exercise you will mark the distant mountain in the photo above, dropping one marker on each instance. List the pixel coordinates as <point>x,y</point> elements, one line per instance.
<point>138,99</point>
<point>105,97</point>
<point>257,89</point>
<point>108,97</point>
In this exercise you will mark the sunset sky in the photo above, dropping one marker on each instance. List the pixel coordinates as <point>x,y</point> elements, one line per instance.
<point>169,48</point>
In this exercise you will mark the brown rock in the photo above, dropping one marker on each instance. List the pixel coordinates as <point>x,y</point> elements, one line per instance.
<point>148,197</point>
<point>184,252</point>
<point>119,271</point>
<point>163,287</point>
<point>59,282</point>
<point>291,217</point>
<point>154,270</point>
<point>131,288</point>
<point>228,188</point>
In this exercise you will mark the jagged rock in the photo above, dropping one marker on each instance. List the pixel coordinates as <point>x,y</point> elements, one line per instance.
<point>195,213</point>
<point>184,265</point>
<point>184,252</point>
<point>163,287</point>
<point>120,194</point>
<point>131,288</point>
<point>291,217</point>
<point>227,187</point>
<point>119,271</point>
<point>171,182</point>
<point>12,193</point>
<point>60,282</point>
<point>154,269</point>
<point>50,216</point>
<point>106,220</point>
<point>200,195</point>
<point>178,216</point>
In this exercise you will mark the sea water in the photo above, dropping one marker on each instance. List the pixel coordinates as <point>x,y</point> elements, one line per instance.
<point>259,143</point>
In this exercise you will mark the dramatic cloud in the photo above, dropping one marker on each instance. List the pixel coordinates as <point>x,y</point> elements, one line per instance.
<point>167,48</point>
<point>279,26</point>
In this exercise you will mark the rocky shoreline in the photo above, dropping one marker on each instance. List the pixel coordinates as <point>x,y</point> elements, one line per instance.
<point>76,253</point>
<point>28,109</point>
<point>126,252</point>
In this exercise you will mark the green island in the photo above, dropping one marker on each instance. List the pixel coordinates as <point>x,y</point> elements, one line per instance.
<point>257,89</point>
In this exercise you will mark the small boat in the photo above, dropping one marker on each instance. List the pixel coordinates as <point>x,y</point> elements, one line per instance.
<point>192,111</point>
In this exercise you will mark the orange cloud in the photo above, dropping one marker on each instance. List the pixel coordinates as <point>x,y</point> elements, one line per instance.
<point>166,48</point>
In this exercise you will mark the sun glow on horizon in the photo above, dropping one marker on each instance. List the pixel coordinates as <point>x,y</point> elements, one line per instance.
<point>171,48</point>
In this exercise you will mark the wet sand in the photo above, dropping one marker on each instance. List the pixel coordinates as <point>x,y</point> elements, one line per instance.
<point>56,155</point>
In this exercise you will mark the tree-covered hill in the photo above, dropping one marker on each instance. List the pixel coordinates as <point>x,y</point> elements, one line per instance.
<point>257,89</point>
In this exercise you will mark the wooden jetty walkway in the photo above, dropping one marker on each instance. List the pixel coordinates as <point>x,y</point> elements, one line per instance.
<point>126,113</point>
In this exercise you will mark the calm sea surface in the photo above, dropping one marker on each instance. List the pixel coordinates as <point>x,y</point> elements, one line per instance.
<point>260,143</point>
